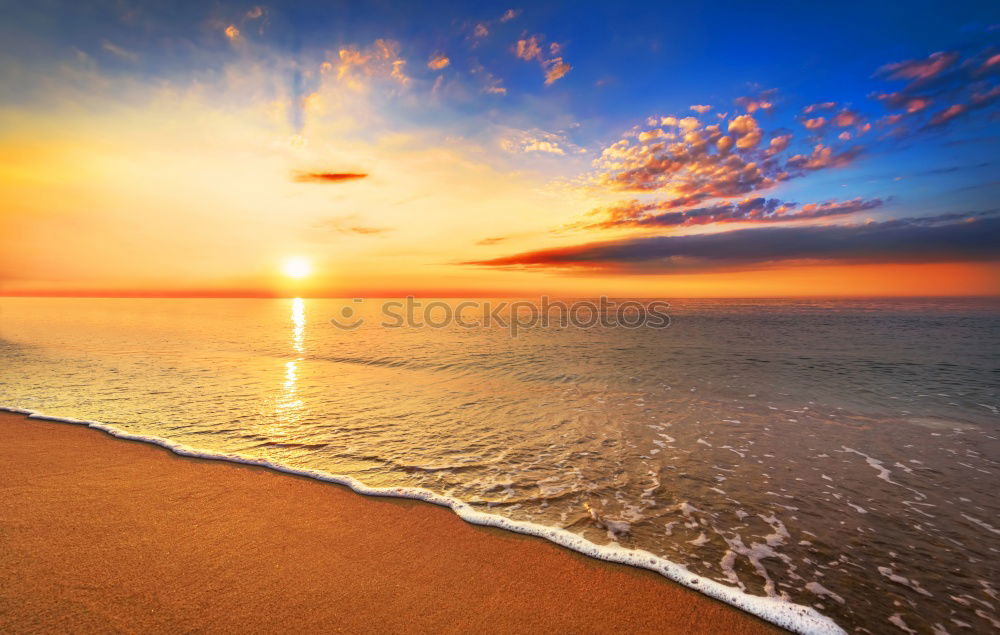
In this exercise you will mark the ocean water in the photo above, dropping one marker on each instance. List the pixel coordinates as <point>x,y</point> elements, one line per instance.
<point>835,460</point>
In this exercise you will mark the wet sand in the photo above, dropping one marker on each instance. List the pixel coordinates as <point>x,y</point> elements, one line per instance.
<point>102,534</point>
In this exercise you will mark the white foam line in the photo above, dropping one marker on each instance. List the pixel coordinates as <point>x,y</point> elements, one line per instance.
<point>794,617</point>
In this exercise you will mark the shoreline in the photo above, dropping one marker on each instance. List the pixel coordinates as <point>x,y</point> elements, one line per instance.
<point>134,536</point>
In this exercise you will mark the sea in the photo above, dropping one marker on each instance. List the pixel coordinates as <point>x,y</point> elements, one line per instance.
<point>829,464</point>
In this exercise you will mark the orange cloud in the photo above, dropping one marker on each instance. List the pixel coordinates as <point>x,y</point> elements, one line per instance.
<point>827,105</point>
<point>764,101</point>
<point>823,157</point>
<point>686,167</point>
<point>746,131</point>
<point>924,69</point>
<point>690,163</point>
<point>846,118</point>
<point>917,104</point>
<point>779,143</point>
<point>438,62</point>
<point>528,49</point>
<point>510,14</point>
<point>947,114</point>
<point>491,241</point>
<point>555,69</point>
<point>379,60</point>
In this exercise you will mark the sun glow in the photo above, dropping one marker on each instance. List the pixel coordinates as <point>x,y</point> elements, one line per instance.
<point>297,268</point>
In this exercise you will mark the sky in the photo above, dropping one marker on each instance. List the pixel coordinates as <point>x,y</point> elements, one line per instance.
<point>494,149</point>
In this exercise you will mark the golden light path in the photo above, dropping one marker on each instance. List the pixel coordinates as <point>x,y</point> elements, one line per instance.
<point>289,404</point>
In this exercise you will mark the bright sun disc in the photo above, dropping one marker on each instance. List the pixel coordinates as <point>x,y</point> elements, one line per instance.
<point>296,268</point>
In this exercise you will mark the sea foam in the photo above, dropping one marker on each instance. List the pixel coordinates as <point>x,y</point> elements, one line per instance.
<point>784,613</point>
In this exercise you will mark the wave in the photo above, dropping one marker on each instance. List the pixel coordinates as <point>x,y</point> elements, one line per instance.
<point>786,614</point>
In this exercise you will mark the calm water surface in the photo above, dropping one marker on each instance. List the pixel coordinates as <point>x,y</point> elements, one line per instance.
<point>841,454</point>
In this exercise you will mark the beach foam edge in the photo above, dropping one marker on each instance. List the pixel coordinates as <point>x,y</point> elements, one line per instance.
<point>793,617</point>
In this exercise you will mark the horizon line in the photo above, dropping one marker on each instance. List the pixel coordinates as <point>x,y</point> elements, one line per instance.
<point>195,296</point>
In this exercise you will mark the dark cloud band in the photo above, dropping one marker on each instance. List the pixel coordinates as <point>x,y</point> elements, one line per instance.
<point>946,238</point>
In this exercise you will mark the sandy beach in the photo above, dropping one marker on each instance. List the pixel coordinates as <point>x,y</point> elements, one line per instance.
<point>101,534</point>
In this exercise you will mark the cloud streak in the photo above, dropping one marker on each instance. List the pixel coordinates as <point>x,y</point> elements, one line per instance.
<point>940,88</point>
<point>348,225</point>
<point>327,177</point>
<point>754,210</point>
<point>944,238</point>
<point>118,51</point>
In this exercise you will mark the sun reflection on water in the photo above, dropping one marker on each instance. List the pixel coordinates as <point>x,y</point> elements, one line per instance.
<point>289,405</point>
<point>298,324</point>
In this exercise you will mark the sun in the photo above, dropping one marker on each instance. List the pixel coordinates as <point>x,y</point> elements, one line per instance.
<point>296,267</point>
